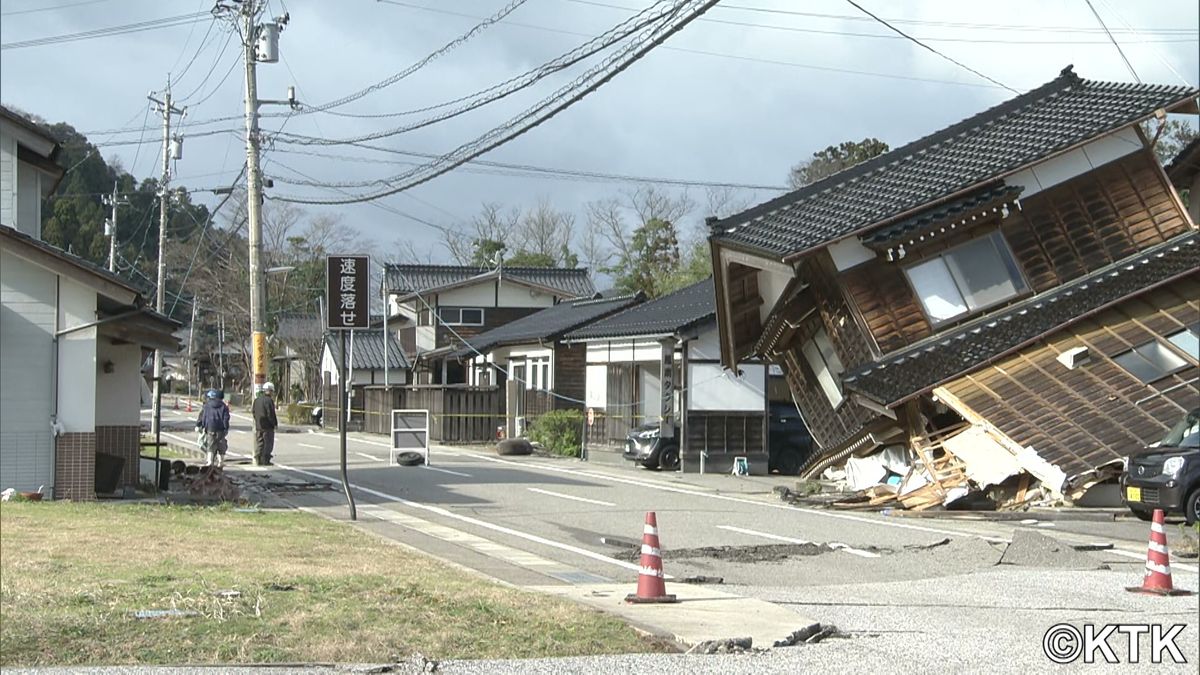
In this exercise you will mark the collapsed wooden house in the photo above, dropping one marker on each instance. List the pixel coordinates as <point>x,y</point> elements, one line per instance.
<point>1028,274</point>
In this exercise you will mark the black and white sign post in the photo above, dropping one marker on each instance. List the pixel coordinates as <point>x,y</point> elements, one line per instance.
<point>349,308</point>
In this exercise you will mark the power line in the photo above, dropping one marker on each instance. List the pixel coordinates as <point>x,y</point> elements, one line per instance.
<point>52,8</point>
<point>449,46</point>
<point>650,16</point>
<point>1114,41</point>
<point>819,31</point>
<point>1157,53</point>
<point>510,169</point>
<point>537,115</point>
<point>931,49</point>
<point>154,24</point>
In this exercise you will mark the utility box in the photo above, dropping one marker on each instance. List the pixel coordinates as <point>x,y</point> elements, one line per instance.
<point>267,50</point>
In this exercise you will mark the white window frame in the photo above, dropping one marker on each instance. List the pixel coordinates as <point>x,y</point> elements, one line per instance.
<point>1007,260</point>
<point>826,365</point>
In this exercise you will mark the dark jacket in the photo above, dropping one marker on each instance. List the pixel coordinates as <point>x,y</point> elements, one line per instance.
<point>264,413</point>
<point>214,416</point>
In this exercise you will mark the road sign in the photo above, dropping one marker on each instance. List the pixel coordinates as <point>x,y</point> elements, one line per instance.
<point>591,416</point>
<point>347,278</point>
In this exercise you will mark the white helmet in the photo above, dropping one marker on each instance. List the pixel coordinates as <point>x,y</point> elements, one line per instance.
<point>268,387</point>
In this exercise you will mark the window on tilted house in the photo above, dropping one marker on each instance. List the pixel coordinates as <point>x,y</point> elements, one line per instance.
<point>967,278</point>
<point>1188,341</point>
<point>1150,361</point>
<point>826,365</point>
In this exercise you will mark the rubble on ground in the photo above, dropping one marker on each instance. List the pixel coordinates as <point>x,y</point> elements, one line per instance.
<point>1034,549</point>
<point>724,646</point>
<point>808,635</point>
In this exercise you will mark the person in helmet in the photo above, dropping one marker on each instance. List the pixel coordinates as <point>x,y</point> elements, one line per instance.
<point>264,425</point>
<point>213,422</point>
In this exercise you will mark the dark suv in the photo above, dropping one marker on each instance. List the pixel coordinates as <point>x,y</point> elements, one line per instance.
<point>1166,475</point>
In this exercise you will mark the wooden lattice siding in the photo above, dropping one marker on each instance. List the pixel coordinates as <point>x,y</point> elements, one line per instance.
<point>724,434</point>
<point>744,301</point>
<point>1097,412</point>
<point>1092,221</point>
<point>888,306</point>
<point>1060,234</point>
<point>570,375</point>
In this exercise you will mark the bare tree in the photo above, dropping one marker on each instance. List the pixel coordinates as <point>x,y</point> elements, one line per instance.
<point>545,233</point>
<point>492,225</point>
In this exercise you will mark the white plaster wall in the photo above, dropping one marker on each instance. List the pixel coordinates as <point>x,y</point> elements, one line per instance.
<point>516,295</point>
<point>76,357</point>
<point>849,252</point>
<point>1064,167</point>
<point>119,392</point>
<point>26,373</point>
<point>8,177</point>
<point>596,386</point>
<point>482,294</point>
<point>426,338</point>
<point>710,388</point>
<point>706,347</point>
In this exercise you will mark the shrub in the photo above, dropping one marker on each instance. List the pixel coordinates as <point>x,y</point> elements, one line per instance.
<point>559,432</point>
<point>300,413</point>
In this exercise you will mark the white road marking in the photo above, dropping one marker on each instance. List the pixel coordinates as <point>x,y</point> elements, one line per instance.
<point>474,521</point>
<point>1142,556</point>
<point>372,457</point>
<point>310,445</point>
<point>240,431</point>
<point>767,535</point>
<point>356,440</point>
<point>485,546</point>
<point>455,473</point>
<point>572,497</point>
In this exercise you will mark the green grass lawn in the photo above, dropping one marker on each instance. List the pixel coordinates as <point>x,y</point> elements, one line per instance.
<point>72,574</point>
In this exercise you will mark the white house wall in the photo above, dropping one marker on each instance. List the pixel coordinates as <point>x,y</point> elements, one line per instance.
<point>26,373</point>
<point>29,200</point>
<point>8,178</point>
<point>710,388</point>
<point>1068,165</point>
<point>118,406</point>
<point>76,358</point>
<point>516,295</point>
<point>475,295</point>
<point>596,386</point>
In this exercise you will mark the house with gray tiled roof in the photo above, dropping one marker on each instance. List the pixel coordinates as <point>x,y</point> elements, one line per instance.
<point>658,363</point>
<point>434,309</point>
<point>1028,274</point>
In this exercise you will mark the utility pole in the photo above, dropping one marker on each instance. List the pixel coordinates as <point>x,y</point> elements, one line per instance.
<point>260,42</point>
<point>110,226</point>
<point>164,106</point>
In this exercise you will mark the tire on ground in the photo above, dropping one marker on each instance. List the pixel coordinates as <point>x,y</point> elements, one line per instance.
<point>514,446</point>
<point>410,458</point>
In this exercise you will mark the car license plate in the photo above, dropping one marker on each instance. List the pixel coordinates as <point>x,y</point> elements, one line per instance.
<point>1133,494</point>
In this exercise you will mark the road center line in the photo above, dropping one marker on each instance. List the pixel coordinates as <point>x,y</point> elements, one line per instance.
<point>310,445</point>
<point>562,496</point>
<point>474,521</point>
<point>455,473</point>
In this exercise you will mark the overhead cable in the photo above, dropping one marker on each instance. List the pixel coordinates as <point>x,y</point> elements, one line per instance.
<point>154,24</point>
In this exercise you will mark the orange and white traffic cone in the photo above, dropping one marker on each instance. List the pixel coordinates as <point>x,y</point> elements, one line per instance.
<point>189,405</point>
<point>651,587</point>
<point>1158,563</point>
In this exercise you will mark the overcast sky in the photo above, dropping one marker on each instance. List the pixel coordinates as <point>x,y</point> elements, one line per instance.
<point>771,88</point>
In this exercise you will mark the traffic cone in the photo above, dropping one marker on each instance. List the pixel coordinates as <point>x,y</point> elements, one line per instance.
<point>189,405</point>
<point>651,587</point>
<point>1158,563</point>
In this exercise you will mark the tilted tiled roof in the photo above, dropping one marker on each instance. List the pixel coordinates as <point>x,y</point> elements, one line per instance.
<point>549,324</point>
<point>670,313</point>
<point>1060,114</point>
<point>907,229</point>
<point>367,352</point>
<point>946,356</point>
<point>573,283</point>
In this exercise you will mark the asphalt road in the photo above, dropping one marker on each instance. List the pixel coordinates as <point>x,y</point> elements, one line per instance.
<point>536,521</point>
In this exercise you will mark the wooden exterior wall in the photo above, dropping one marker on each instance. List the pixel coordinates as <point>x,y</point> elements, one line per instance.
<point>1058,235</point>
<point>744,302</point>
<point>570,375</point>
<point>1097,412</point>
<point>829,427</point>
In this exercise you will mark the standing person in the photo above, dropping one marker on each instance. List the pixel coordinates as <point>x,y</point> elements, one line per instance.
<point>214,423</point>
<point>264,425</point>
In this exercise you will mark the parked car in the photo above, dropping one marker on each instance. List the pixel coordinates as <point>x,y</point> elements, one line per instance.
<point>789,441</point>
<point>645,446</point>
<point>1166,475</point>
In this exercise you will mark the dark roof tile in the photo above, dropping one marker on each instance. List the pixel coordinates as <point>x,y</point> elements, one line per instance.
<point>550,323</point>
<point>574,283</point>
<point>367,350</point>
<point>1062,113</point>
<point>671,313</point>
